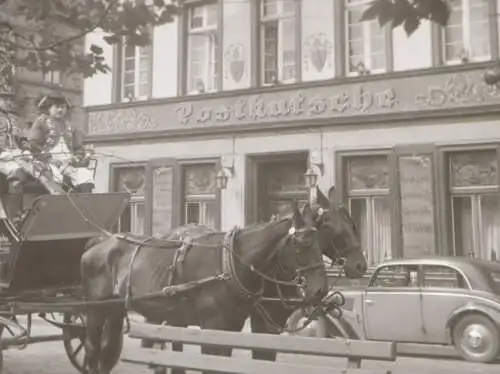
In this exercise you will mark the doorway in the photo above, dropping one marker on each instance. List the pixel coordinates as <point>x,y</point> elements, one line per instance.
<point>274,182</point>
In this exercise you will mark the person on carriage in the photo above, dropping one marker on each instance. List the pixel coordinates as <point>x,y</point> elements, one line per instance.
<point>58,146</point>
<point>12,139</point>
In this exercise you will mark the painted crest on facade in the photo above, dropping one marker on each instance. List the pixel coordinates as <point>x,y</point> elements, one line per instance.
<point>319,49</point>
<point>235,61</point>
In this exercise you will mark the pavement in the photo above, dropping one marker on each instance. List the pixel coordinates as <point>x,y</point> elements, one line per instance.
<point>50,358</point>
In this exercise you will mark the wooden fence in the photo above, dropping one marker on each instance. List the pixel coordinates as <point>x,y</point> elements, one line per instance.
<point>355,351</point>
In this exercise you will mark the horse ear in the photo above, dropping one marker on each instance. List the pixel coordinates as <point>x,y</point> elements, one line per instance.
<point>297,215</point>
<point>331,196</point>
<point>322,198</point>
<point>308,215</point>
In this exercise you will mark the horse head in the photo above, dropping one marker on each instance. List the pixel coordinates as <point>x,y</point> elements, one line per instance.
<point>298,258</point>
<point>338,235</point>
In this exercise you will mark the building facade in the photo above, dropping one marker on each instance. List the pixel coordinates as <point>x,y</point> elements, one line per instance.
<point>253,93</point>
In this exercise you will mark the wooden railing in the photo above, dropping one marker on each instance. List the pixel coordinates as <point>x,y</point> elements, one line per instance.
<point>355,351</point>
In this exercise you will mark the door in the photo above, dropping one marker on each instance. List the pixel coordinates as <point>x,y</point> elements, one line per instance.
<point>444,289</point>
<point>280,183</point>
<point>392,309</point>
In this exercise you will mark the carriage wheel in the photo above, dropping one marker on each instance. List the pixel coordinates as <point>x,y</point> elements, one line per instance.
<point>74,340</point>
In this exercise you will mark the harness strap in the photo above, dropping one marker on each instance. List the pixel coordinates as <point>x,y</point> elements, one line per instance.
<point>128,295</point>
<point>177,267</point>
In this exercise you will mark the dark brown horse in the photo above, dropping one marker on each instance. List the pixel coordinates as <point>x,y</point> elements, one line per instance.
<point>339,241</point>
<point>229,270</point>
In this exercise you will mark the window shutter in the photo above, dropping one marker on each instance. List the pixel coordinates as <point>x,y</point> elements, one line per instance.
<point>162,196</point>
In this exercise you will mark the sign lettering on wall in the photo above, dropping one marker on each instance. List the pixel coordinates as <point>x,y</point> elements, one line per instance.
<point>417,205</point>
<point>322,102</point>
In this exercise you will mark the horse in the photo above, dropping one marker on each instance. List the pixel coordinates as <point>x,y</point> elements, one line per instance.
<point>338,240</point>
<point>220,277</point>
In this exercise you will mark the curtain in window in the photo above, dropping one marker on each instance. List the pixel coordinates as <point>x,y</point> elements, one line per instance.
<point>463,229</point>
<point>373,219</point>
<point>490,219</point>
<point>381,230</point>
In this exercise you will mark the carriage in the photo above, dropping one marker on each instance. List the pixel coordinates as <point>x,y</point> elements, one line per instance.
<point>40,262</point>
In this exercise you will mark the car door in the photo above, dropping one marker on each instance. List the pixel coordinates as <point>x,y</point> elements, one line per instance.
<point>443,290</point>
<point>392,309</point>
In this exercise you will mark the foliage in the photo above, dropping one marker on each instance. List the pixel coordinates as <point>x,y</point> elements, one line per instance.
<point>49,35</point>
<point>407,13</point>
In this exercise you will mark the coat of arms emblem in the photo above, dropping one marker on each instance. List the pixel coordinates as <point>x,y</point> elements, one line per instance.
<point>235,61</point>
<point>319,48</point>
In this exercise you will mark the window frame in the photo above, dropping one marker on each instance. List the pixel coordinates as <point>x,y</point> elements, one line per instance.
<point>446,221</point>
<point>467,30</point>
<point>114,169</point>
<point>185,32</point>
<point>261,22</point>
<point>137,71</point>
<point>185,199</point>
<point>388,45</point>
<point>49,77</point>
<point>342,192</point>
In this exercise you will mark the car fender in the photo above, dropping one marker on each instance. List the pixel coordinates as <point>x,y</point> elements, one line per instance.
<point>487,310</point>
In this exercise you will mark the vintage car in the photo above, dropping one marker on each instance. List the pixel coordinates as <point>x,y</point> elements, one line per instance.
<point>435,300</point>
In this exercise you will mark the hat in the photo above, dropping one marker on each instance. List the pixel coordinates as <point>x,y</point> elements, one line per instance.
<point>52,99</point>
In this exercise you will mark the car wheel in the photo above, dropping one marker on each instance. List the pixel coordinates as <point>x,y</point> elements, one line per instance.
<point>476,338</point>
<point>316,328</point>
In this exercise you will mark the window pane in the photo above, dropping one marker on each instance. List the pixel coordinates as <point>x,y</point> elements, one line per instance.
<point>270,36</point>
<point>270,8</point>
<point>490,227</point>
<point>442,276</point>
<point>396,276</point>
<point>462,226</point>
<point>200,179</point>
<point>138,217</point>
<point>474,169</point>
<point>368,172</point>
<point>192,213</point>
<point>211,214</point>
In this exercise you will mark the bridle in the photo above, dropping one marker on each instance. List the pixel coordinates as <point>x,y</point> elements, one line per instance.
<point>297,276</point>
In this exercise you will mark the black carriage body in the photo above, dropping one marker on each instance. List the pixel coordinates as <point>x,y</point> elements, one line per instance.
<point>46,250</point>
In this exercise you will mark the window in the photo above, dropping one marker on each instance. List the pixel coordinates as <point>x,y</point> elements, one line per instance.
<point>396,276</point>
<point>442,276</point>
<point>279,34</point>
<point>370,204</point>
<point>366,41</point>
<point>136,70</point>
<point>52,77</point>
<point>475,204</point>
<point>200,200</point>
<point>467,34</point>
<point>132,180</point>
<point>203,48</point>
<point>282,185</point>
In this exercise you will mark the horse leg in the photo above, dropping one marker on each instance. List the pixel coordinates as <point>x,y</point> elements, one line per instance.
<point>94,326</point>
<point>112,339</point>
<point>259,325</point>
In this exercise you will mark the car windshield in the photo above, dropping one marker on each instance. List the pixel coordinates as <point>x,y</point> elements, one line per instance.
<point>494,280</point>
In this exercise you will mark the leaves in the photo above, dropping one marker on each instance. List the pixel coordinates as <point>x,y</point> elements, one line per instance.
<point>407,13</point>
<point>49,35</point>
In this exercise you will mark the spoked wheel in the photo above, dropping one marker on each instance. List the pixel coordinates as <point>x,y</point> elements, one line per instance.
<point>74,340</point>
